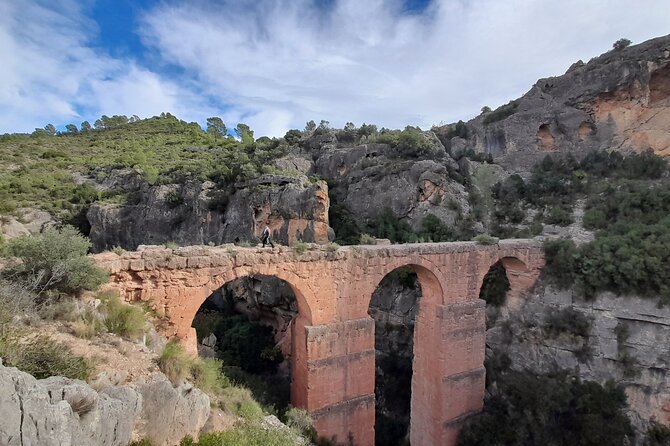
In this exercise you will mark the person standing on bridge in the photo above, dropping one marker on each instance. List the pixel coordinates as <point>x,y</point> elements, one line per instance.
<point>267,237</point>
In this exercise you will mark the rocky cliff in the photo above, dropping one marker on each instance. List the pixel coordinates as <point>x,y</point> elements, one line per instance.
<point>199,212</point>
<point>63,412</point>
<point>619,100</point>
<point>623,339</point>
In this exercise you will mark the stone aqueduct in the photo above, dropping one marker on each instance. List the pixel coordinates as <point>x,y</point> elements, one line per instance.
<point>333,342</point>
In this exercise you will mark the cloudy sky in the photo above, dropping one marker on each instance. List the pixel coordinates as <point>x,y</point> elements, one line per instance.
<point>275,64</point>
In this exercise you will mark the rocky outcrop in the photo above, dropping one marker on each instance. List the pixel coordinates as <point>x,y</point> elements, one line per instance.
<point>63,412</point>
<point>199,213</point>
<point>27,221</point>
<point>370,178</point>
<point>169,414</point>
<point>619,100</point>
<point>626,341</point>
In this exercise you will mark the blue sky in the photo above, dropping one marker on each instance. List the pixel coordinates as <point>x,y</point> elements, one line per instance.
<point>274,64</point>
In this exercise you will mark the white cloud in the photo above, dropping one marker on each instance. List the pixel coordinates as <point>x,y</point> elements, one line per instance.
<point>278,63</point>
<point>275,64</point>
<point>51,73</point>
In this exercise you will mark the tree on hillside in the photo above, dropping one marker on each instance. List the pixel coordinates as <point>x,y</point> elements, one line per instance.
<point>621,44</point>
<point>366,130</point>
<point>50,129</point>
<point>71,129</point>
<point>293,136</point>
<point>85,126</point>
<point>245,134</point>
<point>216,127</point>
<point>310,126</point>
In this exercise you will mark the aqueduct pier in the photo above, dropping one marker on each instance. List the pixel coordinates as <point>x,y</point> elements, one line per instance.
<point>333,342</point>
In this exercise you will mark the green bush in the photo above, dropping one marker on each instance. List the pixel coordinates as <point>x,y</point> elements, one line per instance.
<point>657,435</point>
<point>300,421</point>
<point>205,373</point>
<point>560,216</point>
<point>561,258</point>
<point>434,230</point>
<point>248,345</point>
<point>485,239</point>
<point>174,362</point>
<point>500,113</point>
<point>123,319</point>
<point>239,401</point>
<point>568,321</point>
<point>248,434</point>
<point>367,239</point>
<point>550,410</point>
<point>143,442</point>
<point>53,260</point>
<point>299,247</point>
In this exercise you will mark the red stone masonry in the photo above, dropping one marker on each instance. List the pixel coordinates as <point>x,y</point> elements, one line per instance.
<point>333,335</point>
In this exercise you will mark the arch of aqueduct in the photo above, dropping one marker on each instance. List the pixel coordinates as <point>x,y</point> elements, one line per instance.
<point>333,342</point>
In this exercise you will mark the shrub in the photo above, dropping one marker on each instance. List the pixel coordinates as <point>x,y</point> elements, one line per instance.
<point>485,239</point>
<point>569,321</point>
<point>207,375</point>
<point>89,324</point>
<point>561,258</point>
<point>657,435</point>
<point>500,113</point>
<point>367,239</point>
<point>175,362</point>
<point>16,300</point>
<point>248,345</point>
<point>434,230</point>
<point>247,434</point>
<point>299,247</point>
<point>300,421</point>
<point>621,44</point>
<point>55,259</point>
<point>239,401</point>
<point>552,410</point>
<point>40,356</point>
<point>123,319</point>
<point>332,247</point>
<point>559,216</point>
<point>143,442</point>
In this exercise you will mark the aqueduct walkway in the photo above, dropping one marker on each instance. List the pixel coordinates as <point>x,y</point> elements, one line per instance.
<point>333,356</point>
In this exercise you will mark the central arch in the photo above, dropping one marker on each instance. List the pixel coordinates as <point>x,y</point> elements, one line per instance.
<point>424,377</point>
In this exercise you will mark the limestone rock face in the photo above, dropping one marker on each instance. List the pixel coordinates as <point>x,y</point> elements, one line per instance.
<point>28,221</point>
<point>370,178</point>
<point>168,413</point>
<point>59,411</point>
<point>627,343</point>
<point>200,213</point>
<point>619,100</point>
<point>63,412</point>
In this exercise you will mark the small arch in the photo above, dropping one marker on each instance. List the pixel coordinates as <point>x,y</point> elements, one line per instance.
<point>518,276</point>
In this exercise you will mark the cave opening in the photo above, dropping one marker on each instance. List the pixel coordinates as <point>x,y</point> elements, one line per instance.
<point>247,323</point>
<point>393,307</point>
